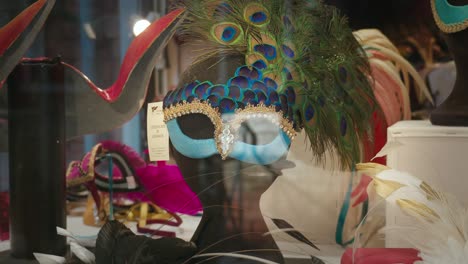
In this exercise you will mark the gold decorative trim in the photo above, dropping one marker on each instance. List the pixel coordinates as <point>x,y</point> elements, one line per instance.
<point>195,107</point>
<point>84,176</point>
<point>241,115</point>
<point>447,28</point>
<point>80,180</point>
<point>263,111</point>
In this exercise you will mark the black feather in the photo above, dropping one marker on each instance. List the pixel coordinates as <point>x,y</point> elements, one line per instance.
<point>316,260</point>
<point>116,244</point>
<point>282,224</point>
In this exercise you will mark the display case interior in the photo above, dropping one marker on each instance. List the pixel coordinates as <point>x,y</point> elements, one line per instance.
<point>226,131</point>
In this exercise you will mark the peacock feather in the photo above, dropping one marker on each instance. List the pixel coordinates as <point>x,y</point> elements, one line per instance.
<point>300,57</point>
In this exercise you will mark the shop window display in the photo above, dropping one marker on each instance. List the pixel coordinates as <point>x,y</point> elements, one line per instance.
<point>267,119</point>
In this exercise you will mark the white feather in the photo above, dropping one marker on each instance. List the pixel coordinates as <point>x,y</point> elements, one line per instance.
<point>235,255</point>
<point>48,259</point>
<point>388,148</point>
<point>400,177</point>
<point>85,241</point>
<point>82,253</point>
<point>442,238</point>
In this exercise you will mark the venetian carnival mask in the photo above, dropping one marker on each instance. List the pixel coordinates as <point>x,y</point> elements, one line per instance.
<point>267,60</point>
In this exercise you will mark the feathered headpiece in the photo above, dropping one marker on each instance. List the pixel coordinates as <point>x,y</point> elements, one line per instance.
<point>294,60</point>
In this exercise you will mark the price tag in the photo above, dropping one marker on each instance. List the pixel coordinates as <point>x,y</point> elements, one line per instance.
<point>158,136</point>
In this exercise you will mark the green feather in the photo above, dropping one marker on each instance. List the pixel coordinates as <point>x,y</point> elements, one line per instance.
<point>321,51</point>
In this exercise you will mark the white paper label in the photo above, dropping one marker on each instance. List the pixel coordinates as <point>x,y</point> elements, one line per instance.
<point>158,136</point>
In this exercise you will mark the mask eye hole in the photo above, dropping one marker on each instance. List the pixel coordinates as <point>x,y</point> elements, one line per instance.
<point>196,126</point>
<point>258,131</point>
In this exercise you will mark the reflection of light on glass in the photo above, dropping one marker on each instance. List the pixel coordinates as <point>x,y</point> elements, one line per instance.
<point>89,31</point>
<point>140,26</point>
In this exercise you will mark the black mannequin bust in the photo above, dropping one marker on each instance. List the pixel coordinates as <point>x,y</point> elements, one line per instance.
<point>454,110</point>
<point>229,190</point>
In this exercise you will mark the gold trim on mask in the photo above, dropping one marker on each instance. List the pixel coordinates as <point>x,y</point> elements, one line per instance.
<point>447,28</point>
<point>240,116</point>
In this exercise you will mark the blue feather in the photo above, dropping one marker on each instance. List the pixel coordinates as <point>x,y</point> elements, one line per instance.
<point>270,83</point>
<point>219,90</point>
<point>260,64</point>
<point>259,86</point>
<point>241,81</point>
<point>227,105</point>
<point>201,89</point>
<point>213,100</point>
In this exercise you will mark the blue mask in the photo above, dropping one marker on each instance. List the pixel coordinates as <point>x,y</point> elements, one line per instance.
<point>248,95</point>
<point>203,148</point>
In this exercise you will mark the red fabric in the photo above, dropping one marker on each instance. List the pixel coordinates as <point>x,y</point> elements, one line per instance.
<point>380,138</point>
<point>371,148</point>
<point>361,191</point>
<point>4,219</point>
<point>374,145</point>
<point>380,256</point>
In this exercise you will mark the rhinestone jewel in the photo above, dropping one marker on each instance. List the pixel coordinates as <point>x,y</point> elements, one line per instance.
<point>226,139</point>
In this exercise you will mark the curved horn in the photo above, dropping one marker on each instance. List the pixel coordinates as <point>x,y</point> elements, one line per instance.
<point>18,35</point>
<point>91,109</point>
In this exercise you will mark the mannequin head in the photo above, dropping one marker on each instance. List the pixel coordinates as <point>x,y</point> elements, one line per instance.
<point>270,69</point>
<point>454,111</point>
<point>219,183</point>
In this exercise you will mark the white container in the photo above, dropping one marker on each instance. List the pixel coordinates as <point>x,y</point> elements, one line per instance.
<point>436,154</point>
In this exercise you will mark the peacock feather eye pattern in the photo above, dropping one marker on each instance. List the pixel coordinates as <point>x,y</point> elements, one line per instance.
<point>301,60</point>
<point>257,60</point>
<point>249,72</point>
<point>240,81</point>
<point>188,90</point>
<point>309,112</point>
<point>248,87</point>
<point>266,46</point>
<point>287,76</point>
<point>256,14</point>
<point>288,51</point>
<point>343,74</point>
<point>259,86</point>
<point>218,9</point>
<point>343,126</point>
<point>288,25</point>
<point>219,90</point>
<point>267,50</point>
<point>227,33</point>
<point>201,89</point>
